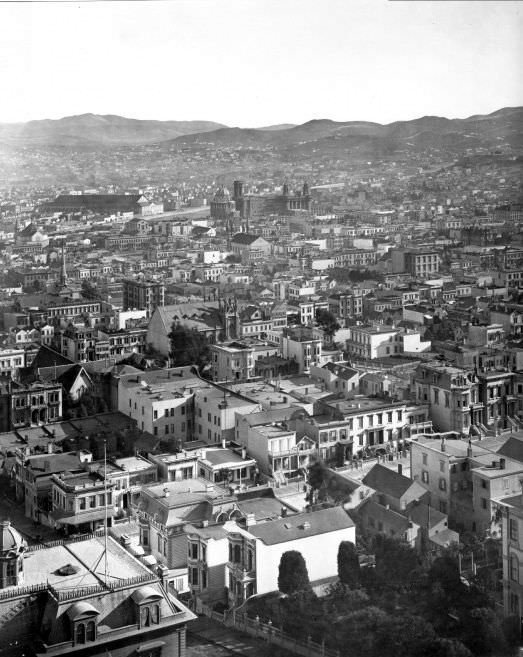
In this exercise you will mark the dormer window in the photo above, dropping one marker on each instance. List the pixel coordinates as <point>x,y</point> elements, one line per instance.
<point>84,619</point>
<point>147,601</point>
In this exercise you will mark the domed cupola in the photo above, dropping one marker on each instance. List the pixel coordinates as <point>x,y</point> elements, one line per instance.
<point>12,549</point>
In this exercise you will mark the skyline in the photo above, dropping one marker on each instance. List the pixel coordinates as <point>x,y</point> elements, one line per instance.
<point>254,63</point>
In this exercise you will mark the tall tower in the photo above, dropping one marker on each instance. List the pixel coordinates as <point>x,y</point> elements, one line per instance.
<point>63,271</point>
<point>12,548</point>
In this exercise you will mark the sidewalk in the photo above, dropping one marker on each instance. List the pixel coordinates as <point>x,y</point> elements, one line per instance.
<point>237,643</point>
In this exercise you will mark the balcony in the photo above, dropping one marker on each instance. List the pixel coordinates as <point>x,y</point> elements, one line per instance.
<point>240,572</point>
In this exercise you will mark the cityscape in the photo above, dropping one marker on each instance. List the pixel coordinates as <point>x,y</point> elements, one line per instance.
<point>261,388</point>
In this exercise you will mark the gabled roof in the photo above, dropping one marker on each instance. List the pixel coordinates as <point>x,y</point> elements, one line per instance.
<point>68,378</point>
<point>47,357</point>
<point>387,481</point>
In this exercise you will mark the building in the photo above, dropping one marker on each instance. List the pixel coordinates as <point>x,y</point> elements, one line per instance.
<point>255,550</point>
<point>279,453</point>
<point>163,408</point>
<point>302,344</point>
<point>511,511</point>
<point>374,341</point>
<point>27,405</point>
<point>256,205</point>
<point>250,248</point>
<point>85,597</point>
<point>143,294</point>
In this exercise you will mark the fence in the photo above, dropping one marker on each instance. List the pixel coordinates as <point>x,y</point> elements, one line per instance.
<point>271,634</point>
<point>267,632</point>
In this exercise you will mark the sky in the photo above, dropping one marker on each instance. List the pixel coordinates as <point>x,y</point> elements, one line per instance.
<point>252,63</point>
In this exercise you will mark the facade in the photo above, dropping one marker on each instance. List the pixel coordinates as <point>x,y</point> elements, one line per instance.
<point>142,294</point>
<point>29,405</point>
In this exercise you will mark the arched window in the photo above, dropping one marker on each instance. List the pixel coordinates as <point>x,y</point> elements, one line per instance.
<point>91,631</point>
<point>80,633</point>
<point>155,614</point>
<point>146,617</point>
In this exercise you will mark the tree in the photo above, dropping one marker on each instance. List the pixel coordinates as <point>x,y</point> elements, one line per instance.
<point>327,321</point>
<point>483,633</point>
<point>348,563</point>
<point>188,346</point>
<point>292,573</point>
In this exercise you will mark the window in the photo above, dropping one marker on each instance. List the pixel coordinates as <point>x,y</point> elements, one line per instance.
<point>166,412</point>
<point>514,568</point>
<point>425,476</point>
<point>194,576</point>
<point>443,484</point>
<point>92,501</point>
<point>442,506</point>
<point>166,428</point>
<point>80,633</point>
<point>193,550</point>
<point>424,459</point>
<point>483,483</point>
<point>155,415</point>
<point>82,503</point>
<point>442,466</point>
<point>513,529</point>
<point>447,400</point>
<point>91,631</point>
<point>483,503</point>
<point>436,396</point>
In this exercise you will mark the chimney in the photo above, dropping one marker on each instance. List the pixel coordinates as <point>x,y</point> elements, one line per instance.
<point>209,488</point>
<point>284,512</point>
<point>224,443</point>
<point>400,469</point>
<point>125,540</point>
<point>306,525</point>
<point>49,447</point>
<point>250,520</point>
<point>442,444</point>
<point>502,463</point>
<point>205,523</point>
<point>469,449</point>
<point>244,452</point>
<point>166,492</point>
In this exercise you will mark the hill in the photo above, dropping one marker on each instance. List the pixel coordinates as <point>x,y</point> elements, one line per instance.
<point>92,130</point>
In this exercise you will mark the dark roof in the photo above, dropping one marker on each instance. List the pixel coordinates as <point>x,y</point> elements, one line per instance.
<point>245,238</point>
<point>387,481</point>
<point>512,449</point>
<point>96,202</point>
<point>301,526</point>
<point>68,378</point>
<point>47,357</point>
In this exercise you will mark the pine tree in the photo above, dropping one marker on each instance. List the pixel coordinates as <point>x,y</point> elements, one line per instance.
<point>348,563</point>
<point>292,573</point>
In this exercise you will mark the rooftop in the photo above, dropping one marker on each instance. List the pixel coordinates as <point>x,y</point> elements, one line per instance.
<point>303,525</point>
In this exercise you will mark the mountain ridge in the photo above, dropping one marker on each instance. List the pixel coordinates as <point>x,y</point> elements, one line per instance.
<point>93,131</point>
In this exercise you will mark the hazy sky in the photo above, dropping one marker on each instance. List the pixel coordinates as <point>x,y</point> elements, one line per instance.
<point>259,62</point>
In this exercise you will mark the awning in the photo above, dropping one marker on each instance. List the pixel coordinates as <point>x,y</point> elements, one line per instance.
<point>82,518</point>
<point>151,645</point>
